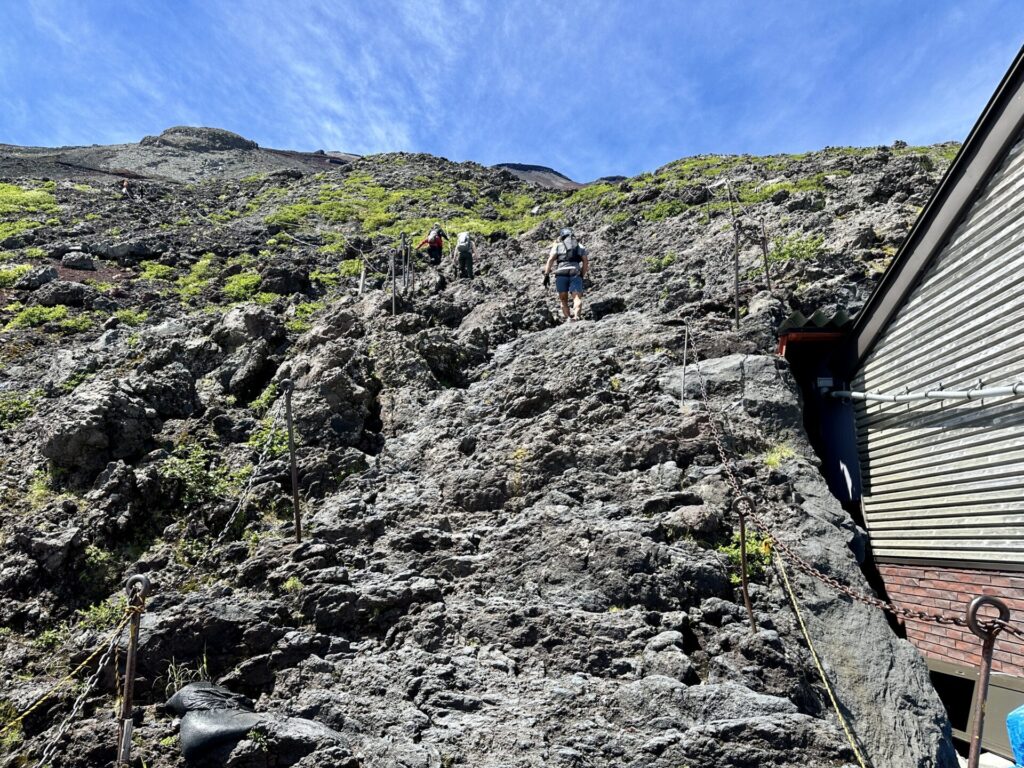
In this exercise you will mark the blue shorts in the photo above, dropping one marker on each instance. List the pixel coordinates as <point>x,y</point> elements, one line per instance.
<point>569,283</point>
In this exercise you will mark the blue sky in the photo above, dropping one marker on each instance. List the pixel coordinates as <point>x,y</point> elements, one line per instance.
<point>590,87</point>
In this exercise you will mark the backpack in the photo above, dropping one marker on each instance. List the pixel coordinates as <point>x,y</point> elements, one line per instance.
<point>434,239</point>
<point>465,243</point>
<point>568,258</point>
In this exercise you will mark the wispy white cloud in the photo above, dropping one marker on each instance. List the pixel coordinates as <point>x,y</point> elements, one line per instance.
<point>591,87</point>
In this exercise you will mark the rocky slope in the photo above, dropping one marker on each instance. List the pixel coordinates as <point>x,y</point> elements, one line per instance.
<point>518,546</point>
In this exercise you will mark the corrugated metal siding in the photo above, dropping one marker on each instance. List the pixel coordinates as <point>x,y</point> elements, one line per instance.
<point>945,480</point>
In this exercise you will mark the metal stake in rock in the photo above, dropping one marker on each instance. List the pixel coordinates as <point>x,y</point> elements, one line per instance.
<point>987,631</point>
<point>287,387</point>
<point>138,589</point>
<point>737,507</point>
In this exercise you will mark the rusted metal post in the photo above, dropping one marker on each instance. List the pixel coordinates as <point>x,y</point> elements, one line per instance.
<point>737,507</point>
<point>987,631</point>
<point>412,261</point>
<point>736,271</point>
<point>394,281</point>
<point>764,252</point>
<point>682,381</point>
<point>137,588</point>
<point>287,387</point>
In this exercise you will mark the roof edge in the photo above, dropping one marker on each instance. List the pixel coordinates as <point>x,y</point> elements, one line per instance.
<point>979,157</point>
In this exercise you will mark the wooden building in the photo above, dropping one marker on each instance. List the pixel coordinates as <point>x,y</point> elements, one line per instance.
<point>936,473</point>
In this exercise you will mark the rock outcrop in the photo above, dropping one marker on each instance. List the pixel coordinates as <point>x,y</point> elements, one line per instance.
<point>519,548</point>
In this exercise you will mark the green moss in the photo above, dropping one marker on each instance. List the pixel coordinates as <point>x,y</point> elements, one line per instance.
<point>153,270</point>
<point>664,209</point>
<point>655,264</point>
<point>12,228</point>
<point>33,253</point>
<point>11,275</point>
<point>78,324</point>
<point>199,277</point>
<point>131,317</point>
<point>11,736</point>
<point>17,201</point>
<point>33,317</point>
<point>242,286</point>
<point>795,247</point>
<point>350,268</point>
<point>15,407</point>
<point>304,312</point>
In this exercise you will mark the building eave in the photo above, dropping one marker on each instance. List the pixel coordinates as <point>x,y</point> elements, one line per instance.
<point>980,156</point>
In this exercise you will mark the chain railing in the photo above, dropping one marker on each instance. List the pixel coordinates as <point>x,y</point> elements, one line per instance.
<point>988,629</point>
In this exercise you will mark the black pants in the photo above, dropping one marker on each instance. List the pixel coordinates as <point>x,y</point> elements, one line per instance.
<point>434,253</point>
<point>465,265</point>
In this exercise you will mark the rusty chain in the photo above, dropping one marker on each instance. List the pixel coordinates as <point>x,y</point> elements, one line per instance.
<point>808,568</point>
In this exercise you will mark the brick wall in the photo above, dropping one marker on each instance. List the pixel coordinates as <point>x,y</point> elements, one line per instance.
<point>950,590</point>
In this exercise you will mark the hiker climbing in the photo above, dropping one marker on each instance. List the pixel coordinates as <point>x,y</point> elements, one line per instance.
<point>435,244</point>
<point>464,254</point>
<point>568,260</point>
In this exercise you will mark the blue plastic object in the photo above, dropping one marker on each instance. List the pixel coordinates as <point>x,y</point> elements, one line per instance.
<point>1015,728</point>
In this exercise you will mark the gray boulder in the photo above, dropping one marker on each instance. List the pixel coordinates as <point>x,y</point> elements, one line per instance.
<point>78,260</point>
<point>38,277</point>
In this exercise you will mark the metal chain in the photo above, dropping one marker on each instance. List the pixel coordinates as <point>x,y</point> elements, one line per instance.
<point>51,748</point>
<point>803,565</point>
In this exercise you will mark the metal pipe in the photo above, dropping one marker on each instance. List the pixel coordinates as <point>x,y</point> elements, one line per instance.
<point>1016,390</point>
<point>682,381</point>
<point>137,588</point>
<point>394,280</point>
<point>737,507</point>
<point>988,635</point>
<point>287,387</point>
<point>764,252</point>
<point>736,270</point>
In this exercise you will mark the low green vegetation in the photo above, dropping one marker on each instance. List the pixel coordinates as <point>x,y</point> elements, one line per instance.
<point>132,317</point>
<point>270,438</point>
<point>304,312</point>
<point>10,275</point>
<point>262,404</point>
<point>242,286</point>
<point>33,317</point>
<point>654,264</point>
<point>350,268</point>
<point>758,556</point>
<point>15,407</point>
<point>795,247</point>
<point>18,201</point>
<point>153,270</point>
<point>199,277</point>
<point>192,467</point>
<point>774,457</point>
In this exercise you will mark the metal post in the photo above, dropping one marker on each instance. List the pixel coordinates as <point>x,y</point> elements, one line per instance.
<point>682,381</point>
<point>988,633</point>
<point>394,279</point>
<point>362,277</point>
<point>737,506</point>
<point>764,252</point>
<point>137,588</point>
<point>412,260</point>
<point>736,269</point>
<point>287,387</point>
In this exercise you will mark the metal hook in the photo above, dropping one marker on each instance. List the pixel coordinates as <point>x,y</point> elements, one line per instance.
<point>140,583</point>
<point>972,614</point>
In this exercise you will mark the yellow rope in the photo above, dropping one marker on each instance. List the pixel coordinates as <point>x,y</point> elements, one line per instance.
<point>817,663</point>
<point>69,677</point>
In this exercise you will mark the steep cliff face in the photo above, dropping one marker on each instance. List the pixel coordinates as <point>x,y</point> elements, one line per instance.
<point>518,542</point>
